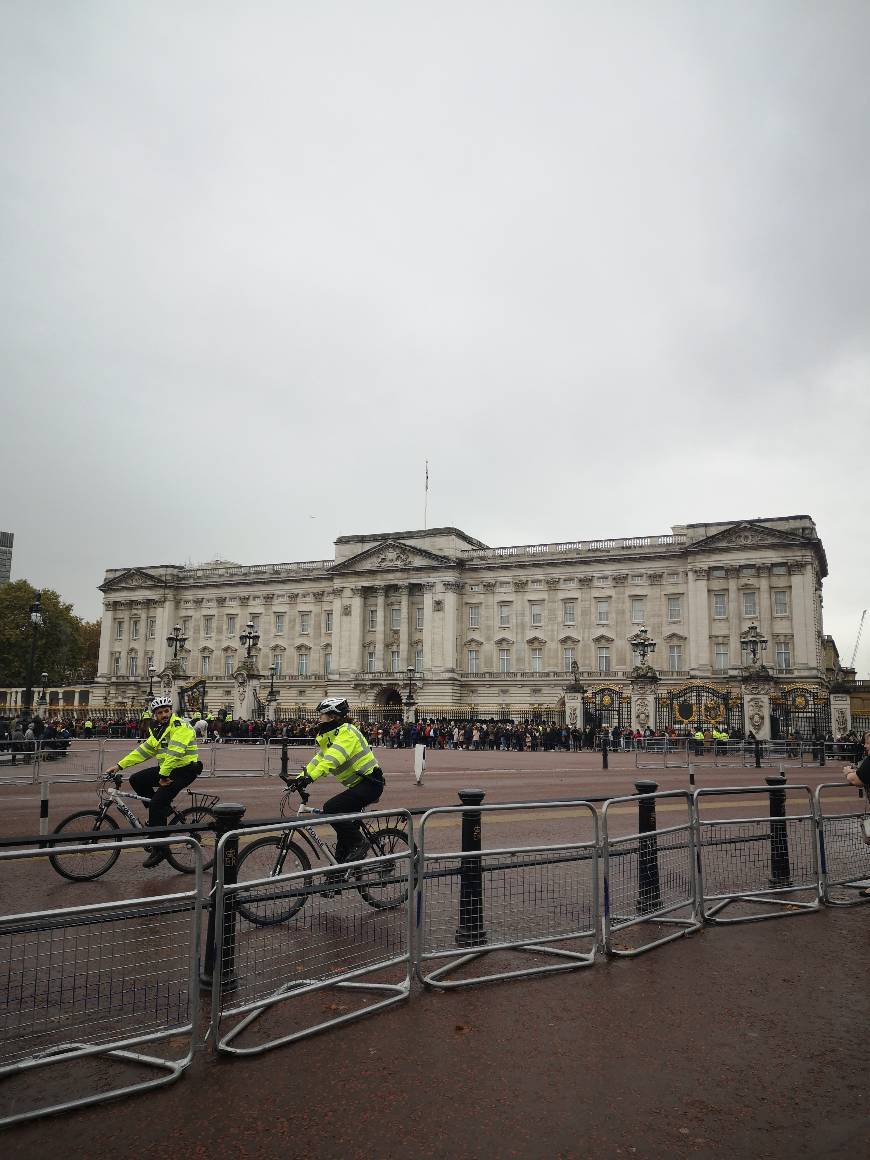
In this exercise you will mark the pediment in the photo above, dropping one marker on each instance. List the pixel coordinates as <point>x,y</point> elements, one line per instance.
<point>392,554</point>
<point>566,639</point>
<point>749,534</point>
<point>535,640</point>
<point>132,578</point>
<point>473,641</point>
<point>676,636</point>
<point>603,638</point>
<point>504,641</point>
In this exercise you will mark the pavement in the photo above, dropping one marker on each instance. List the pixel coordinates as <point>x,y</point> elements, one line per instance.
<point>740,1041</point>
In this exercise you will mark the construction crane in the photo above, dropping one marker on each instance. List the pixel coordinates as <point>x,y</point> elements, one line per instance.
<point>857,640</point>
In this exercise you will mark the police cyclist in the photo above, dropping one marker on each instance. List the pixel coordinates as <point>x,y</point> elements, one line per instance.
<point>345,753</point>
<point>173,742</point>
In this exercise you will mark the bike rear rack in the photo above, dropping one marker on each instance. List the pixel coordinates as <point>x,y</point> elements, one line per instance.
<point>203,801</point>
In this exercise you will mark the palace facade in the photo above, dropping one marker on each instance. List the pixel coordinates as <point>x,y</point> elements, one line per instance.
<point>437,618</point>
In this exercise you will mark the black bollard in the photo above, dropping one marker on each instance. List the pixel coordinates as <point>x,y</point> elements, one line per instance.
<point>780,867</point>
<point>604,753</point>
<point>757,754</point>
<point>471,932</point>
<point>285,760</point>
<point>228,816</point>
<point>648,887</point>
<point>821,753</point>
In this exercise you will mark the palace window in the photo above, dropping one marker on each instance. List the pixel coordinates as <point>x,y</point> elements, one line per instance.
<point>637,608</point>
<point>373,619</point>
<point>720,658</point>
<point>277,661</point>
<point>228,666</point>
<point>675,658</point>
<point>304,623</point>
<point>602,611</point>
<point>327,662</point>
<point>418,617</point>
<point>418,660</point>
<point>537,658</point>
<point>152,627</point>
<point>231,625</point>
<point>327,621</point>
<point>568,658</point>
<point>750,603</point>
<point>675,608</point>
<point>395,617</point>
<point>208,626</point>
<point>536,614</point>
<point>603,659</point>
<point>569,612</point>
<point>204,664</point>
<point>116,664</point>
<point>394,660</point>
<point>119,630</point>
<point>783,655</point>
<point>133,665</point>
<point>134,630</point>
<point>370,661</point>
<point>504,660</point>
<point>255,621</point>
<point>780,602</point>
<point>279,623</point>
<point>472,658</point>
<point>720,605</point>
<point>474,616</point>
<point>302,664</point>
<point>504,616</point>
<point>185,626</point>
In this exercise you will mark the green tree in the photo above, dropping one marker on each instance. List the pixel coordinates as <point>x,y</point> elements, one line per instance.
<point>66,646</point>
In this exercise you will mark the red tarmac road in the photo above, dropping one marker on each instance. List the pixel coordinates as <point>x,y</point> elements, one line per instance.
<point>747,1041</point>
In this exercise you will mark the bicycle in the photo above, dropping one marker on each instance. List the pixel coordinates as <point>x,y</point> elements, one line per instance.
<point>381,886</point>
<point>87,865</point>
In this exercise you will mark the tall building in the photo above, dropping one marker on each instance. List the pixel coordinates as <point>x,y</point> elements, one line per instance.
<point>6,539</point>
<point>469,629</point>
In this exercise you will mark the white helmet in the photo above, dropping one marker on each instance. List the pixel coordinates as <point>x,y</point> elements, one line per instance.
<point>336,705</point>
<point>161,703</point>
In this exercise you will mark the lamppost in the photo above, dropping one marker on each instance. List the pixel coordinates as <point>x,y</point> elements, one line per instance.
<point>271,696</point>
<point>249,638</point>
<point>575,677</point>
<point>36,623</point>
<point>642,644</point>
<point>753,643</point>
<point>152,673</point>
<point>176,641</point>
<point>42,699</point>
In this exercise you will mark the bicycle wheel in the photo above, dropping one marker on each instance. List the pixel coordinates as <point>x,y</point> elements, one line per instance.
<point>385,886</point>
<point>86,865</point>
<point>268,905</point>
<point>182,856</point>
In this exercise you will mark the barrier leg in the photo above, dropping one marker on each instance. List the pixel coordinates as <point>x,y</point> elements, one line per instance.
<point>285,758</point>
<point>228,816</point>
<point>757,754</point>
<point>649,889</point>
<point>470,932</point>
<point>780,867</point>
<point>44,791</point>
<point>604,754</point>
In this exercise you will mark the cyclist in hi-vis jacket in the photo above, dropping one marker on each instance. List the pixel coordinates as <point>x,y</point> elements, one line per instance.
<point>345,753</point>
<point>172,741</point>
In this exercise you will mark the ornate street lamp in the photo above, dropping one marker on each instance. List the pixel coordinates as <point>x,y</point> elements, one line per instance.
<point>176,641</point>
<point>753,644</point>
<point>409,700</point>
<point>249,638</point>
<point>43,696</point>
<point>272,695</point>
<point>36,623</point>
<point>152,673</point>
<point>642,644</point>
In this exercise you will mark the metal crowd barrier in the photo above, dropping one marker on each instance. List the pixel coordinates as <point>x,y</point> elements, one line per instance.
<point>92,984</point>
<point>478,899</point>
<point>753,861</point>
<point>298,936</point>
<point>844,855</point>
<point>650,874</point>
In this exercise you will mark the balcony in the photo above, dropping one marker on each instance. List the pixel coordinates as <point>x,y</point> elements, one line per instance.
<point>572,547</point>
<point>400,677</point>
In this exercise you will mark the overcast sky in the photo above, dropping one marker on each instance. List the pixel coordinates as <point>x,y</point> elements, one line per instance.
<point>606,265</point>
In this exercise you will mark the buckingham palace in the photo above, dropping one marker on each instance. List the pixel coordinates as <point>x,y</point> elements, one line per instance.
<point>718,622</point>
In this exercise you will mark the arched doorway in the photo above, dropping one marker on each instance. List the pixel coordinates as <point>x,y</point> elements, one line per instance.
<point>389,698</point>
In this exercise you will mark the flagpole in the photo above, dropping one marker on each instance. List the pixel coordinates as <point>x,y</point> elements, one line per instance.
<point>426,500</point>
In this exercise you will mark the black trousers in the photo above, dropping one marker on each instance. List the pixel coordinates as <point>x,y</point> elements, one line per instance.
<point>351,801</point>
<point>145,782</point>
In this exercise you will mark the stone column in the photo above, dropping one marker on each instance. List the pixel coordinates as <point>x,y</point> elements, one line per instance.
<point>520,630</point>
<point>699,621</point>
<point>765,612</point>
<point>619,622</point>
<point>404,627</point>
<point>734,650</point>
<point>450,625</point>
<point>550,630</point>
<point>489,629</point>
<point>841,714</point>
<point>380,628</point>
<point>805,652</point>
<point>337,635</point>
<point>433,657</point>
<point>105,663</point>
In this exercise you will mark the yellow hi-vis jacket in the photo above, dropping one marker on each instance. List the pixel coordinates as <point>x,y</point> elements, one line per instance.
<point>174,747</point>
<point>345,753</point>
